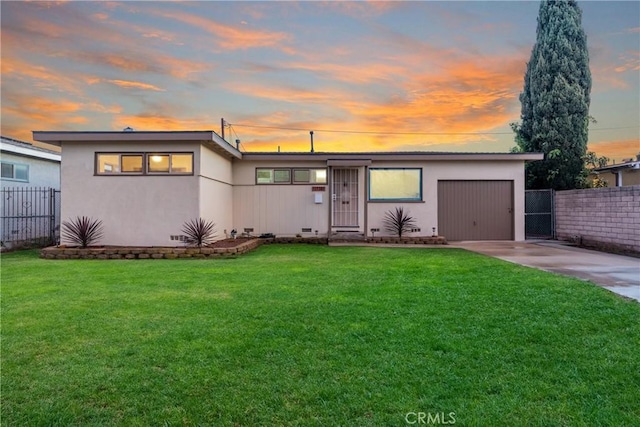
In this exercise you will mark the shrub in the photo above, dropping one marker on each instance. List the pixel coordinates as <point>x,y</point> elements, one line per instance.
<point>82,230</point>
<point>199,232</point>
<point>398,221</point>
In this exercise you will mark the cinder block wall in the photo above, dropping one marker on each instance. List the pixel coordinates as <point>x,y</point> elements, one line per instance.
<point>604,218</point>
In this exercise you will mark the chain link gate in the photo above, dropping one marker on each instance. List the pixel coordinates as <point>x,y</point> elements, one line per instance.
<point>30,217</point>
<point>539,214</point>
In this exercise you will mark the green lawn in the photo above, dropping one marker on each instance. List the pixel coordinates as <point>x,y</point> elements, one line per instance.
<point>313,335</point>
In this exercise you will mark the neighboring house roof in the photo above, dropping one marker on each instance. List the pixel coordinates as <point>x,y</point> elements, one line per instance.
<point>14,146</point>
<point>213,140</point>
<point>634,164</point>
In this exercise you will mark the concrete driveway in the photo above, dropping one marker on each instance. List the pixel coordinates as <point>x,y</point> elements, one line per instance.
<point>617,273</point>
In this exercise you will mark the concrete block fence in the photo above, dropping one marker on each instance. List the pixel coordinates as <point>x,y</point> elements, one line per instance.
<point>601,218</point>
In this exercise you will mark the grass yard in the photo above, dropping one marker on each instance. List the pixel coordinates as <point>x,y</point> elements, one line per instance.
<point>313,335</point>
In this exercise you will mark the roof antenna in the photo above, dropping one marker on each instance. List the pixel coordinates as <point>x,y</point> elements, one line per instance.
<point>311,133</point>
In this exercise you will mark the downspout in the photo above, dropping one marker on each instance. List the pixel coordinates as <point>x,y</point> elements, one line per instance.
<point>366,201</point>
<point>618,175</point>
<point>330,194</point>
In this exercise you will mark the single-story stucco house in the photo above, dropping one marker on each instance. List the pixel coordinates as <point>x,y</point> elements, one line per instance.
<point>145,185</point>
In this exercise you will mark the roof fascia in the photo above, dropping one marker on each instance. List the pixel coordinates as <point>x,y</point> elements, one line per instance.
<point>25,151</point>
<point>333,157</point>
<point>205,137</point>
<point>619,167</point>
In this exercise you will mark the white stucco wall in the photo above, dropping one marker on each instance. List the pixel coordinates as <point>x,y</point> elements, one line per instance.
<point>42,173</point>
<point>283,210</point>
<point>426,213</point>
<point>286,209</point>
<point>135,210</point>
<point>215,181</point>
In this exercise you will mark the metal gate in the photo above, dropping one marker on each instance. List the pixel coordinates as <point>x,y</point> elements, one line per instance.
<point>539,214</point>
<point>30,216</point>
<point>345,198</point>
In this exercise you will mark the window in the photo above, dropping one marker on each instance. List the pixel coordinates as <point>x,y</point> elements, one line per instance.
<point>135,164</point>
<point>309,176</point>
<point>131,164</point>
<point>395,184</point>
<point>15,171</point>
<point>157,163</point>
<point>283,176</point>
<point>273,176</point>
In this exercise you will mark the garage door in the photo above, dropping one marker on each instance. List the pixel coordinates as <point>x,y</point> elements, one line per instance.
<point>475,210</point>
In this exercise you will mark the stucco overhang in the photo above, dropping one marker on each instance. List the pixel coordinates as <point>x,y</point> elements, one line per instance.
<point>354,159</point>
<point>208,138</point>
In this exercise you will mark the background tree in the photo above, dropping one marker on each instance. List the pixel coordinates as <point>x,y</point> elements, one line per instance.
<point>555,100</point>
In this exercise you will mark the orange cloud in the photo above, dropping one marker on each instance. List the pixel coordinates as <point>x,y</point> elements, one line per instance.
<point>616,150</point>
<point>285,94</point>
<point>135,85</point>
<point>230,37</point>
<point>361,73</point>
<point>446,107</point>
<point>158,123</point>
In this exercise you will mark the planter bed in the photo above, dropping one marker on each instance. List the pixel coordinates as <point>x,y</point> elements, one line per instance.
<point>221,249</point>
<point>437,240</point>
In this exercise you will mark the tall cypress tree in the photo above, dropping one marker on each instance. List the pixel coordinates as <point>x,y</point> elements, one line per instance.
<point>555,100</point>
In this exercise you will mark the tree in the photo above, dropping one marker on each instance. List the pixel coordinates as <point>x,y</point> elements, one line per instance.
<point>555,100</point>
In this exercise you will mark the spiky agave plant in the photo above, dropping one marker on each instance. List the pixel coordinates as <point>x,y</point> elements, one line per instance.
<point>199,232</point>
<point>398,221</point>
<point>82,230</point>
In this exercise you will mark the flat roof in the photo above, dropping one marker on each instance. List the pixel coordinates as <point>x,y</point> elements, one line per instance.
<point>339,157</point>
<point>635,164</point>
<point>207,137</point>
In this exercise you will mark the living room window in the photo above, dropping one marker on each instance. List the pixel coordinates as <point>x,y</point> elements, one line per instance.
<point>395,184</point>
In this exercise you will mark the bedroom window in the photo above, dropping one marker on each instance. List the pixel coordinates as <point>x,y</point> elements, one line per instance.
<point>395,184</point>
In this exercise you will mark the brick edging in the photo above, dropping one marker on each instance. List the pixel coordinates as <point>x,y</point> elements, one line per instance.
<point>169,252</point>
<point>154,252</point>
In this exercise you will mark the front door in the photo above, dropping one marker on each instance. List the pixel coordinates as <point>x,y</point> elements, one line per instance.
<point>344,196</point>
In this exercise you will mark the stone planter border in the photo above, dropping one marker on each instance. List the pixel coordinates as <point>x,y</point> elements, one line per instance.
<point>169,252</point>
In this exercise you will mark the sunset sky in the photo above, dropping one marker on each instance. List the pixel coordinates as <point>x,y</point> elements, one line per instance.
<point>364,76</point>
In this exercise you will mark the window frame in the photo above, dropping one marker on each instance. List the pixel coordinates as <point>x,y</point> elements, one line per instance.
<point>292,172</point>
<point>418,199</point>
<point>13,171</point>
<point>146,158</point>
<point>312,176</point>
<point>272,176</point>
